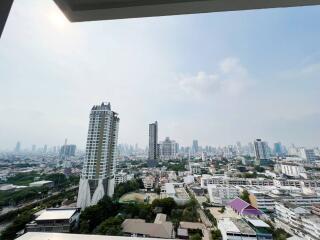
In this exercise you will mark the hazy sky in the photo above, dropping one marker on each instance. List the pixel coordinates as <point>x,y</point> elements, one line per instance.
<point>218,78</point>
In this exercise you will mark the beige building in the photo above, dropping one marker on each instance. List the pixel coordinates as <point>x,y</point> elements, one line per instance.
<point>140,228</point>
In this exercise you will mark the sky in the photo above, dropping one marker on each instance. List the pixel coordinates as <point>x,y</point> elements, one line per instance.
<point>218,78</point>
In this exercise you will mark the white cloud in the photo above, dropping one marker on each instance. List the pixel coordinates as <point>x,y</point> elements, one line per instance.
<point>231,79</point>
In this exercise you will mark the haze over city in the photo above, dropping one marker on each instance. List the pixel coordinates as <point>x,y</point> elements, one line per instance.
<point>218,78</point>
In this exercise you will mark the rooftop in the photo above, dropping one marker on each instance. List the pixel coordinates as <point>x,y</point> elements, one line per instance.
<point>160,228</point>
<point>57,213</point>
<point>68,236</point>
<point>236,226</point>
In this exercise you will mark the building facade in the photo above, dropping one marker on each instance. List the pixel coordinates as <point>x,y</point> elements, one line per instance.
<point>308,155</point>
<point>153,153</point>
<point>168,149</point>
<point>262,152</point>
<point>97,178</point>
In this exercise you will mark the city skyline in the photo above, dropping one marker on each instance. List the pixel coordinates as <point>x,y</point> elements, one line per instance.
<point>236,76</point>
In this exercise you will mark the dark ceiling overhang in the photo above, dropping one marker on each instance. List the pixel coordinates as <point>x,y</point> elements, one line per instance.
<point>90,10</point>
<point>5,6</point>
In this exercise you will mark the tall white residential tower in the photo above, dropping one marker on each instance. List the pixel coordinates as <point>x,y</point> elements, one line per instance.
<point>97,178</point>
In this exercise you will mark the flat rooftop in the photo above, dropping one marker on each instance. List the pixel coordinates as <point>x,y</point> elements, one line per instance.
<point>57,213</point>
<point>68,236</point>
<point>243,227</point>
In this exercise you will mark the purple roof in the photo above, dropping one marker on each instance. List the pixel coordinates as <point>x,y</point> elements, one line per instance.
<point>244,208</point>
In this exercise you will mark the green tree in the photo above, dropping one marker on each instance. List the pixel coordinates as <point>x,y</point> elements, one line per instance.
<point>111,226</point>
<point>245,196</point>
<point>126,187</point>
<point>92,216</point>
<point>196,236</point>
<point>216,234</point>
<point>18,224</point>
<point>167,204</point>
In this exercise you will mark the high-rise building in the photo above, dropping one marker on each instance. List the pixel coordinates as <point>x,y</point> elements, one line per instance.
<point>261,149</point>
<point>277,149</point>
<point>33,148</point>
<point>153,141</point>
<point>168,149</point>
<point>18,147</point>
<point>239,148</point>
<point>97,178</point>
<point>195,147</point>
<point>68,150</point>
<point>45,148</point>
<point>308,155</point>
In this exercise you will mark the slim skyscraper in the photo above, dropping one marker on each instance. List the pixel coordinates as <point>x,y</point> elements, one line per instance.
<point>18,147</point>
<point>153,141</point>
<point>97,178</point>
<point>195,147</point>
<point>261,149</point>
<point>153,153</point>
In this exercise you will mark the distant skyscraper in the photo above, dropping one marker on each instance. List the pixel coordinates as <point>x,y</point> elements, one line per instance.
<point>45,148</point>
<point>308,155</point>
<point>278,150</point>
<point>153,142</point>
<point>195,146</point>
<point>18,147</point>
<point>97,178</point>
<point>34,147</point>
<point>68,150</point>
<point>239,148</point>
<point>262,152</point>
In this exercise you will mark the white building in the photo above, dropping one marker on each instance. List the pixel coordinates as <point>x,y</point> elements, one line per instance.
<point>121,177</point>
<point>222,194</point>
<point>168,149</point>
<point>59,220</point>
<point>297,220</point>
<point>292,170</point>
<point>148,182</point>
<point>195,168</point>
<point>175,191</point>
<point>68,236</point>
<point>97,178</point>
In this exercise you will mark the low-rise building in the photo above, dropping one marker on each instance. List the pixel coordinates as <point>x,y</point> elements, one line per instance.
<point>175,191</point>
<point>140,228</point>
<point>297,220</point>
<point>261,200</point>
<point>60,220</point>
<point>148,182</point>
<point>261,228</point>
<point>243,208</point>
<point>43,183</point>
<point>222,194</point>
<point>195,168</point>
<point>67,236</point>
<point>236,229</point>
<point>120,177</point>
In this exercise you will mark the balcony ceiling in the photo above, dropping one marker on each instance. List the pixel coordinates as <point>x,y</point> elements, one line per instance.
<point>90,10</point>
